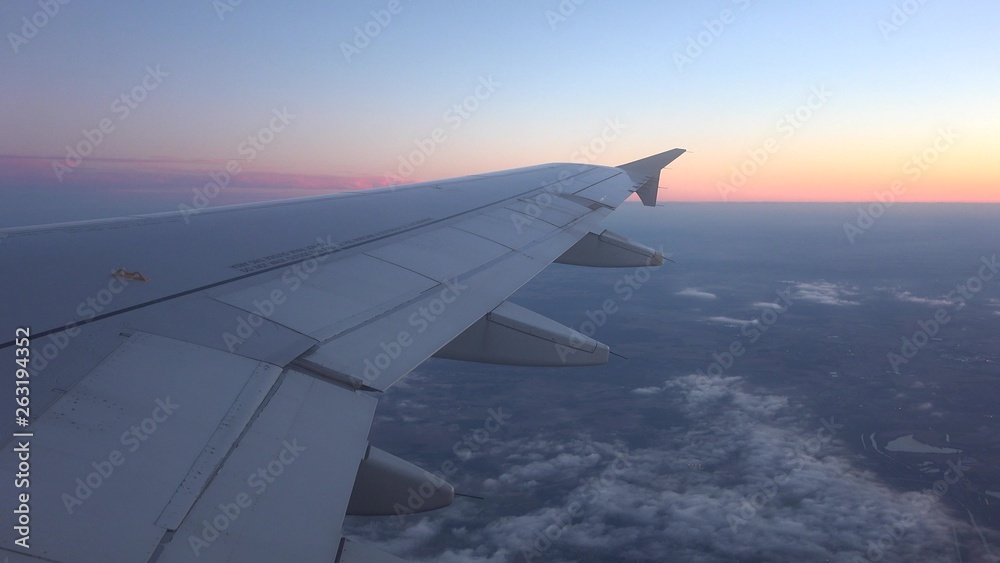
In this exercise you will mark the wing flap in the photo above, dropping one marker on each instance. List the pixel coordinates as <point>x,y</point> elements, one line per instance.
<point>110,453</point>
<point>283,491</point>
<point>217,448</point>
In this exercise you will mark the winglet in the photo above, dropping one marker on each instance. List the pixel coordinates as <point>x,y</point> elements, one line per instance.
<point>645,173</point>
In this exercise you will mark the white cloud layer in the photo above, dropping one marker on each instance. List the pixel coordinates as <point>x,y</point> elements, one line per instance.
<point>740,479</point>
<point>825,293</point>
<point>932,301</point>
<point>733,321</point>
<point>697,293</point>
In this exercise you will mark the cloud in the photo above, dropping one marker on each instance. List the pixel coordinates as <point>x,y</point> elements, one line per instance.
<point>732,321</point>
<point>412,537</point>
<point>697,293</point>
<point>822,292</point>
<point>910,298</point>
<point>742,478</point>
<point>766,305</point>
<point>648,390</point>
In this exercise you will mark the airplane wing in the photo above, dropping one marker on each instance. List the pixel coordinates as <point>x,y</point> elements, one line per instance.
<point>200,385</point>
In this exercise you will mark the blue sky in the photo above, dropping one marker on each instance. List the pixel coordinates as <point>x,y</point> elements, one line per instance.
<point>562,70</point>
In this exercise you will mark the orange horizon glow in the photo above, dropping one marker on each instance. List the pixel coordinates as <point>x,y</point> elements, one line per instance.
<point>688,180</point>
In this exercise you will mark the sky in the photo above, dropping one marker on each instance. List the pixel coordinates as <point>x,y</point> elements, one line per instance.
<point>136,105</point>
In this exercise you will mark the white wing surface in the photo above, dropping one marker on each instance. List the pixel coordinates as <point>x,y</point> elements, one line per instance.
<point>200,385</point>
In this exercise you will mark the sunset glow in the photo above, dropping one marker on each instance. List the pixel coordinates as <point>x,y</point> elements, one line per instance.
<point>802,103</point>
